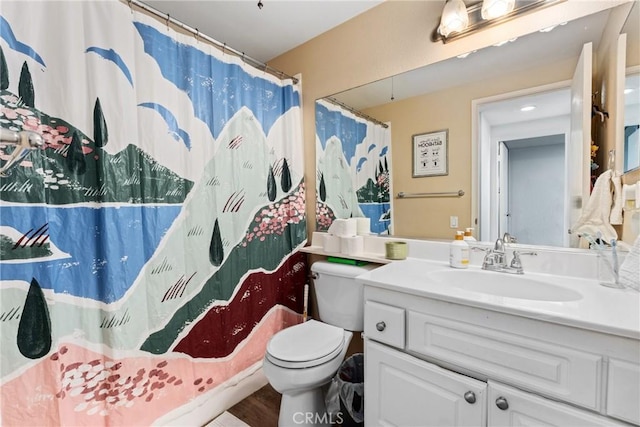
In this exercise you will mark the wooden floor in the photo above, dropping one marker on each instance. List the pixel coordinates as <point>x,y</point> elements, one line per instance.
<point>260,409</point>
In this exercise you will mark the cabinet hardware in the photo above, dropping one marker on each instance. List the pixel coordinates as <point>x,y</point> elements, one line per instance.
<point>470,397</point>
<point>502,403</point>
<point>380,326</point>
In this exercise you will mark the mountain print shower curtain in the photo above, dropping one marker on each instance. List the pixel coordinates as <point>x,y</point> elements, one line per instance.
<point>353,160</point>
<point>148,249</point>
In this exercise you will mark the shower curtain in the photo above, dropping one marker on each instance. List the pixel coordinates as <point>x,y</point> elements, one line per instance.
<point>148,249</point>
<point>353,168</point>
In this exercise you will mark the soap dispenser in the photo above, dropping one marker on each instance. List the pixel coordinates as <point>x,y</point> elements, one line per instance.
<point>459,252</point>
<point>468,235</point>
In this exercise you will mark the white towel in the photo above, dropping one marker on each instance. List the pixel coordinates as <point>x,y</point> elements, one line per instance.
<point>595,213</point>
<point>630,268</point>
<point>616,211</point>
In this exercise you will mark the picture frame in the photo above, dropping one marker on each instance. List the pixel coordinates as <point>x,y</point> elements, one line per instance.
<point>431,153</point>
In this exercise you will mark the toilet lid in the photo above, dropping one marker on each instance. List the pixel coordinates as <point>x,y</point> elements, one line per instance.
<point>307,341</point>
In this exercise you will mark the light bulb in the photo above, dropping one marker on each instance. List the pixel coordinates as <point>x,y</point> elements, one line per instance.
<point>492,9</point>
<point>454,17</point>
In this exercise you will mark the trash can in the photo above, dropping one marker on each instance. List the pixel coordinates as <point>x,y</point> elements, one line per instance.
<point>345,396</point>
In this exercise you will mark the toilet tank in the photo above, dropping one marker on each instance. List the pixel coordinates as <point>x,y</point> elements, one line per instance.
<point>340,298</point>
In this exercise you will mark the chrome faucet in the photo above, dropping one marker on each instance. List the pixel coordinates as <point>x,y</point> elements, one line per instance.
<point>496,258</point>
<point>508,238</point>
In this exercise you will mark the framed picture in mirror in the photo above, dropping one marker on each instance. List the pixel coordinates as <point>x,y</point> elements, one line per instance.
<point>430,153</point>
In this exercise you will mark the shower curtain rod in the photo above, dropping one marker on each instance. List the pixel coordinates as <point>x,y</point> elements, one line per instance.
<point>198,35</point>
<point>356,112</point>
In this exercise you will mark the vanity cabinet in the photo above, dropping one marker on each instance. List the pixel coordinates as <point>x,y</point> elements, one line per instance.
<point>408,392</point>
<point>430,362</point>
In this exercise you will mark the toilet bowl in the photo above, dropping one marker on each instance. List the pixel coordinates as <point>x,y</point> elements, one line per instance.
<point>301,359</point>
<point>298,362</point>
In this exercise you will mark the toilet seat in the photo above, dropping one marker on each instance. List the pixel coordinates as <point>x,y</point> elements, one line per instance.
<point>308,344</point>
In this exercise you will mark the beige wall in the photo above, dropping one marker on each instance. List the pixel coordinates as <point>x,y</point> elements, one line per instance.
<point>388,39</point>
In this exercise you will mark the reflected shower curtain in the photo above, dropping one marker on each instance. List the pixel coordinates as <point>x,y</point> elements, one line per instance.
<point>353,168</point>
<point>149,247</point>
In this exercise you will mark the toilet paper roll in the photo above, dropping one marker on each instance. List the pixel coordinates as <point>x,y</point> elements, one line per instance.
<point>331,244</point>
<point>363,226</point>
<point>352,245</point>
<point>343,227</point>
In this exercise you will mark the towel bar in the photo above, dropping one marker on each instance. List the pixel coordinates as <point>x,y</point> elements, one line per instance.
<point>403,195</point>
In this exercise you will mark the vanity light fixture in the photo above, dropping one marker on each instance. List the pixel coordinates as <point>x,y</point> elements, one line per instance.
<point>454,17</point>
<point>628,90</point>
<point>528,108</point>
<point>459,20</point>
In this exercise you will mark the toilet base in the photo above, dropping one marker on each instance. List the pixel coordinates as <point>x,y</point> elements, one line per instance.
<point>306,408</point>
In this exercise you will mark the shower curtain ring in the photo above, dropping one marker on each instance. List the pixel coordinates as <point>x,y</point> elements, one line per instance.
<point>168,19</point>
<point>130,6</point>
<point>197,34</point>
<point>224,47</point>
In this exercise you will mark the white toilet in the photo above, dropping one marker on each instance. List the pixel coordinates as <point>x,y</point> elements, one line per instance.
<point>302,358</point>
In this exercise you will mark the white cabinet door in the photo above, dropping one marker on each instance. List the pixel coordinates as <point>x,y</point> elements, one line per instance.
<point>623,391</point>
<point>512,407</point>
<point>405,391</point>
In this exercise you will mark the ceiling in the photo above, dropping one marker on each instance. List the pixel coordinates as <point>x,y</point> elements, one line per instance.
<point>262,33</point>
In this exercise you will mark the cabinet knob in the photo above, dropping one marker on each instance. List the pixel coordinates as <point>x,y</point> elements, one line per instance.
<point>470,397</point>
<point>381,326</point>
<point>502,403</point>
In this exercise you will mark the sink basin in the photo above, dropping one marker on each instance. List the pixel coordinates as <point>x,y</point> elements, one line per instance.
<point>504,285</point>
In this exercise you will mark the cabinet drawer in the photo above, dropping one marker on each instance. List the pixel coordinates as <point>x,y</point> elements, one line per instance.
<point>384,323</point>
<point>512,407</point>
<point>553,370</point>
<point>623,391</point>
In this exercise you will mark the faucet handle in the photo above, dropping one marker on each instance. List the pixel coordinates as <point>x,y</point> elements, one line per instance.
<point>516,263</point>
<point>508,238</point>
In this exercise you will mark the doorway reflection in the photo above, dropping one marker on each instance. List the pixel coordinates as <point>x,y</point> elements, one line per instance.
<point>531,189</point>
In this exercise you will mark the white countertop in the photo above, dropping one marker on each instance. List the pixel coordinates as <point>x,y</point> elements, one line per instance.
<point>602,309</point>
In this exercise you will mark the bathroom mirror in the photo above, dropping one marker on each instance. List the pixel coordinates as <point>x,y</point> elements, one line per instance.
<point>439,96</point>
